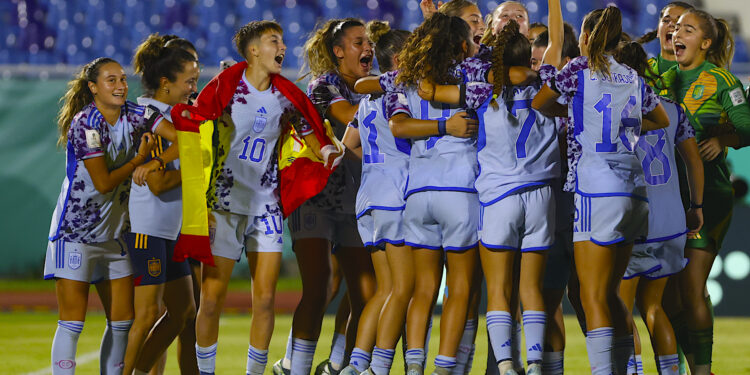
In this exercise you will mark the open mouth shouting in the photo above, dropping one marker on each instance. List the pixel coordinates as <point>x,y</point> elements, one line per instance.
<point>279,59</point>
<point>365,62</point>
<point>679,48</point>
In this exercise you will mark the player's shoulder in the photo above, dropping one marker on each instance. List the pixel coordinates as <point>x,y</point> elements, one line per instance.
<point>89,117</point>
<point>577,64</point>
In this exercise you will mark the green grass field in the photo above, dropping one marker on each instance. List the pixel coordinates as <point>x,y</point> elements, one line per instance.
<point>26,339</point>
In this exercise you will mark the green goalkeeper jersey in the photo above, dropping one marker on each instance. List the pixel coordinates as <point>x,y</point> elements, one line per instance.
<point>712,97</point>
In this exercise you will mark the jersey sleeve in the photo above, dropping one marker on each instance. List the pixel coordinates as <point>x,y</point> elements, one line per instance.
<point>395,103</point>
<point>649,97</point>
<point>684,131</point>
<point>732,98</point>
<point>145,118</point>
<point>477,93</point>
<point>324,91</point>
<point>472,69</point>
<point>547,73</point>
<point>566,80</point>
<point>387,81</point>
<point>85,136</point>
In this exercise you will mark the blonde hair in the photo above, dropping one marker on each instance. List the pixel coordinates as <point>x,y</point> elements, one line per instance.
<point>318,48</point>
<point>78,96</point>
<point>456,7</point>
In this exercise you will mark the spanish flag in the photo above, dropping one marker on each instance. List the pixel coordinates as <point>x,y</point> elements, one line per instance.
<point>302,174</point>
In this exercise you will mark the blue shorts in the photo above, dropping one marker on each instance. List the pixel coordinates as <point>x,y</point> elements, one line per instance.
<point>152,260</point>
<point>378,227</point>
<point>610,220</point>
<point>523,221</point>
<point>658,259</point>
<point>441,220</point>
<point>560,255</point>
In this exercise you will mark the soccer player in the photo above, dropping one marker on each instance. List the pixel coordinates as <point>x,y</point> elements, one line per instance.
<point>100,130</point>
<point>464,9</point>
<point>712,97</point>
<point>664,32</point>
<point>661,254</point>
<point>380,204</point>
<point>506,11</point>
<point>611,204</point>
<point>338,54</point>
<point>169,76</point>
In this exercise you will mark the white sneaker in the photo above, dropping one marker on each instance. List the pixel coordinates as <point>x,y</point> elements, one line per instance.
<point>534,369</point>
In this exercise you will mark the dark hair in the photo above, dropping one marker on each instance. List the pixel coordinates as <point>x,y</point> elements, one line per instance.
<point>570,42</point>
<point>633,55</point>
<point>455,7</point>
<point>153,60</point>
<point>251,31</point>
<point>605,31</point>
<point>538,24</point>
<point>722,42</point>
<point>175,41</point>
<point>432,49</point>
<point>509,48</point>
<point>387,42</point>
<point>319,47</point>
<point>651,35</point>
<point>78,96</point>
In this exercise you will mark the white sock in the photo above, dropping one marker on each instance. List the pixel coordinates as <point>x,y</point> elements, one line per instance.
<point>464,347</point>
<point>64,346</point>
<point>382,360</point>
<point>286,362</point>
<point>639,364</point>
<point>669,364</point>
<point>499,326</point>
<point>206,358</point>
<point>302,356</point>
<point>599,344</point>
<point>114,343</point>
<point>552,363</point>
<point>338,348</point>
<point>533,325</point>
<point>360,359</point>
<point>445,361</point>
<point>470,361</point>
<point>256,361</point>
<point>416,355</point>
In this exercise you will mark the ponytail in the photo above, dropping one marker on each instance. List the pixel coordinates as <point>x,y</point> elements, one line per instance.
<point>78,96</point>
<point>649,36</point>
<point>605,28</point>
<point>319,47</point>
<point>160,56</point>
<point>387,42</point>
<point>509,48</point>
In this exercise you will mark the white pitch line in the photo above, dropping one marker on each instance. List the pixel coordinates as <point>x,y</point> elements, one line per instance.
<point>80,360</point>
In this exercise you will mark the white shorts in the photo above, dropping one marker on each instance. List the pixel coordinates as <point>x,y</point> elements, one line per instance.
<point>523,221</point>
<point>310,222</point>
<point>560,255</point>
<point>441,219</point>
<point>232,234</point>
<point>378,227</point>
<point>658,259</point>
<point>610,220</point>
<point>87,262</point>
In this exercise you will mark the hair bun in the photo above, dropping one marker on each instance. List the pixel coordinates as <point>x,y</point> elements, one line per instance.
<point>376,29</point>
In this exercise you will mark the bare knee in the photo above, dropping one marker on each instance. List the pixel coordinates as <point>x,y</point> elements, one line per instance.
<point>263,301</point>
<point>146,316</point>
<point>211,305</point>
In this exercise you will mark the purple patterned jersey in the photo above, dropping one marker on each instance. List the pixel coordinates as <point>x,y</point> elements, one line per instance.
<point>83,214</point>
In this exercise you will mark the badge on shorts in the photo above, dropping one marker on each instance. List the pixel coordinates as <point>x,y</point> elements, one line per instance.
<point>93,139</point>
<point>698,92</point>
<point>154,267</point>
<point>74,260</point>
<point>309,221</point>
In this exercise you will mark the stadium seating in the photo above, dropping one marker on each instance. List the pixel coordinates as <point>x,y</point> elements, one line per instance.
<point>74,32</point>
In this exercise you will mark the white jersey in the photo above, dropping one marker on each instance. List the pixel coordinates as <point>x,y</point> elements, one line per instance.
<point>156,215</point>
<point>246,177</point>
<point>83,214</point>
<point>385,159</point>
<point>655,150</point>
<point>606,112</point>
<point>443,163</point>
<point>517,146</point>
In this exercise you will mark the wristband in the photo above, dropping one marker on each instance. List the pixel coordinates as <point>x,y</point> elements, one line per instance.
<point>441,127</point>
<point>695,205</point>
<point>160,160</point>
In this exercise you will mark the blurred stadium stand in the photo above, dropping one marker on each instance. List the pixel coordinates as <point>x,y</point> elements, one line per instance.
<point>51,32</point>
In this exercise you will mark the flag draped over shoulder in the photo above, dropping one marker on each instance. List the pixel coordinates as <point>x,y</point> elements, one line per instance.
<point>302,174</point>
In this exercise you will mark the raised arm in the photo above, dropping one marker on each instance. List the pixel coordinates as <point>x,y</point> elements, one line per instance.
<point>553,53</point>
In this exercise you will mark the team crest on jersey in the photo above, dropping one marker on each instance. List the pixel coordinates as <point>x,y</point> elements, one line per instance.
<point>154,267</point>
<point>74,260</point>
<point>698,91</point>
<point>309,221</point>
<point>260,120</point>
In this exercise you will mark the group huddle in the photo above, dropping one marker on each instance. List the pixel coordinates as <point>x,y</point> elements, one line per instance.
<point>497,150</point>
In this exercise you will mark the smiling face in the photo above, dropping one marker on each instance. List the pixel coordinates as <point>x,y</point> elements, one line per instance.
<point>667,23</point>
<point>473,17</point>
<point>184,85</point>
<point>689,42</point>
<point>510,11</point>
<point>354,53</point>
<point>111,86</point>
<point>267,51</point>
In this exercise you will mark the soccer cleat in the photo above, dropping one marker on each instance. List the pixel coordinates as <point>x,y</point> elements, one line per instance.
<point>506,368</point>
<point>441,371</point>
<point>278,369</point>
<point>325,368</point>
<point>366,372</point>
<point>349,370</point>
<point>414,369</point>
<point>534,369</point>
